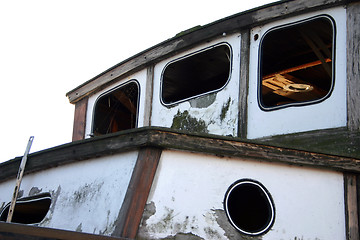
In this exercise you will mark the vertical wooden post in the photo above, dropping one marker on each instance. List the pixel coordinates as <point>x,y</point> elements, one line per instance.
<point>244,82</point>
<point>80,119</point>
<point>137,193</point>
<point>351,207</point>
<point>149,95</point>
<point>353,65</point>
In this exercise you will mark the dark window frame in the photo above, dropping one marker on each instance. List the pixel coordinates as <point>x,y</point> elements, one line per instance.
<point>259,70</point>
<point>109,92</point>
<point>188,56</point>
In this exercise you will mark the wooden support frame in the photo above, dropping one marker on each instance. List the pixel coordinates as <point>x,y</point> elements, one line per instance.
<point>353,65</point>
<point>80,120</point>
<point>244,83</point>
<point>137,193</point>
<point>352,206</point>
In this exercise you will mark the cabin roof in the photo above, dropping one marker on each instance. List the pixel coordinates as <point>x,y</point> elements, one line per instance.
<point>193,36</point>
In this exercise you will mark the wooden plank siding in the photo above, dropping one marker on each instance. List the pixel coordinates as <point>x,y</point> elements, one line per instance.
<point>80,120</point>
<point>235,23</point>
<point>164,138</point>
<point>13,231</point>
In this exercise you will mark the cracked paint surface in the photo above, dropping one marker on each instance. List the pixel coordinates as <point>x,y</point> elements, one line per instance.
<point>186,199</point>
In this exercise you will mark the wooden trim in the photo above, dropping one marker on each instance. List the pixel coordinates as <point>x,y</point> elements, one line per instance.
<point>164,138</point>
<point>137,193</point>
<point>235,23</point>
<point>244,82</point>
<point>351,207</point>
<point>353,65</point>
<point>149,95</point>
<point>80,119</point>
<point>13,231</point>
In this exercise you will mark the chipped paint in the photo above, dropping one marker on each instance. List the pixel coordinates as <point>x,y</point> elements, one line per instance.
<point>225,109</point>
<point>34,191</point>
<point>203,101</point>
<point>183,121</point>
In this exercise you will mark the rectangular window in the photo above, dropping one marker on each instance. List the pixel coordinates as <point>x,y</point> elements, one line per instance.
<point>196,74</point>
<point>296,63</point>
<point>117,109</point>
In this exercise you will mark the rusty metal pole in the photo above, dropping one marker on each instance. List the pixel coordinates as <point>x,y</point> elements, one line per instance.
<point>18,180</point>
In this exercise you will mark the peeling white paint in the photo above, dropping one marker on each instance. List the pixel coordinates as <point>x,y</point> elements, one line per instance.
<point>86,196</point>
<point>210,114</point>
<point>189,189</point>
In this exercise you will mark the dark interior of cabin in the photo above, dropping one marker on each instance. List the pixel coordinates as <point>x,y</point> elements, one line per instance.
<point>194,75</point>
<point>116,110</point>
<point>296,63</point>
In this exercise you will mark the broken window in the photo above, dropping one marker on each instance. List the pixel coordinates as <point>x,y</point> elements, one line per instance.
<point>249,207</point>
<point>196,74</point>
<point>117,109</point>
<point>28,210</point>
<point>296,63</point>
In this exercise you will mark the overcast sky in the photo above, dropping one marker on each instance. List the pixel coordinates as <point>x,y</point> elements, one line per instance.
<point>48,48</point>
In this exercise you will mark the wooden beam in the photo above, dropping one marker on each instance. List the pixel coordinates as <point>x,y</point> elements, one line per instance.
<point>244,83</point>
<point>351,207</point>
<point>13,231</point>
<point>164,138</point>
<point>137,193</point>
<point>353,65</point>
<point>149,95</point>
<point>80,120</point>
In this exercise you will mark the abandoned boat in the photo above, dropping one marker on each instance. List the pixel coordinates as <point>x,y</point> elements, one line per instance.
<point>246,128</point>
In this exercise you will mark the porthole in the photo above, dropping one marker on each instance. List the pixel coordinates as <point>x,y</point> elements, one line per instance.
<point>249,207</point>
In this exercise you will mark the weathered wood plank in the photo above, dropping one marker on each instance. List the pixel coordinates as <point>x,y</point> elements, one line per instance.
<point>351,207</point>
<point>80,120</point>
<point>244,82</point>
<point>149,95</point>
<point>175,45</point>
<point>353,65</point>
<point>135,139</point>
<point>137,193</point>
<point>13,231</point>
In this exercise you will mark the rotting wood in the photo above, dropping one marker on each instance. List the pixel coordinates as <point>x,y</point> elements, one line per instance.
<point>353,65</point>
<point>244,83</point>
<point>351,207</point>
<point>259,16</point>
<point>134,139</point>
<point>13,231</point>
<point>80,120</point>
<point>137,193</point>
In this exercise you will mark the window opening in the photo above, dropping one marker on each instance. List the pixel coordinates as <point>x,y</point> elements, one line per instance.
<point>297,63</point>
<point>117,110</point>
<point>196,74</point>
<point>249,207</point>
<point>28,210</point>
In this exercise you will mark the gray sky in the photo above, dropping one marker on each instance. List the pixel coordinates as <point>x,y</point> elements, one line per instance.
<point>47,48</point>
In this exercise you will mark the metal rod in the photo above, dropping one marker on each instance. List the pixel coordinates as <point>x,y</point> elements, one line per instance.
<point>18,180</point>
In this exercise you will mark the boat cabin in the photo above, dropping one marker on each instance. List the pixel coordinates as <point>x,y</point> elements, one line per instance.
<point>245,128</point>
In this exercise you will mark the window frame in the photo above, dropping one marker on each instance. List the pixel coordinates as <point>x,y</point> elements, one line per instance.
<point>109,92</point>
<point>259,67</point>
<point>190,55</point>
